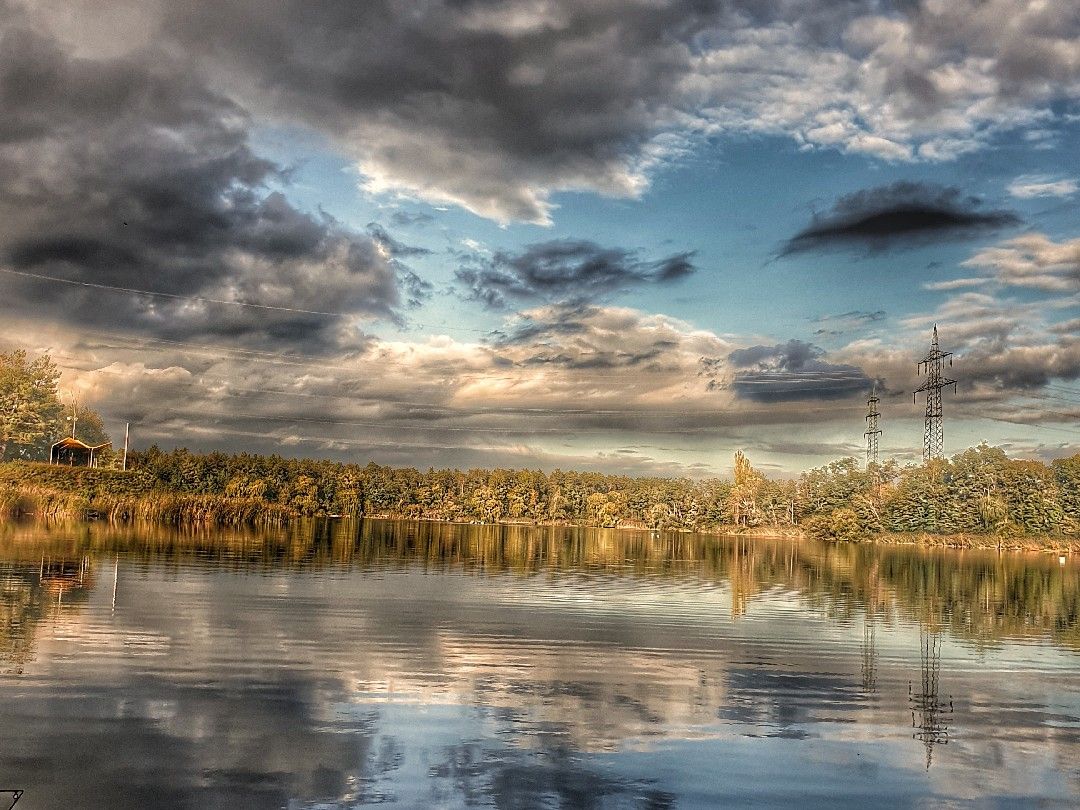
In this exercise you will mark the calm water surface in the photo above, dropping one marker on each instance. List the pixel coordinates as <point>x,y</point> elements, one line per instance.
<point>433,665</point>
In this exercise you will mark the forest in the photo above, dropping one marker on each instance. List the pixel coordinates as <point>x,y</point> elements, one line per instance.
<point>980,493</point>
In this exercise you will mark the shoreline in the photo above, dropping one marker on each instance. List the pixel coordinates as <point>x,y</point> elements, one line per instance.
<point>162,509</point>
<point>41,492</point>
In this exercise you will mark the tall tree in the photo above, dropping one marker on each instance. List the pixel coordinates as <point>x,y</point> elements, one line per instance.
<point>89,426</point>
<point>29,405</point>
<point>744,495</point>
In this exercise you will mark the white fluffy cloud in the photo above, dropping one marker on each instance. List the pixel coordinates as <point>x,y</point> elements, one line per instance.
<point>1034,185</point>
<point>926,83</point>
<point>1033,260</point>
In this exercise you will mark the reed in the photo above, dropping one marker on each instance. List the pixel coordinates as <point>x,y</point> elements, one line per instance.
<point>156,507</point>
<point>62,493</point>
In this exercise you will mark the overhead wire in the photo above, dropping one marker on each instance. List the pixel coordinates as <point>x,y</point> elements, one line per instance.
<point>171,296</point>
<point>220,301</point>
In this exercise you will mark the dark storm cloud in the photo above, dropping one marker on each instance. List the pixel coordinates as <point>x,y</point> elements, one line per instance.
<point>1024,369</point>
<point>565,270</point>
<point>904,214</point>
<point>129,173</point>
<point>416,290</point>
<point>562,322</point>
<point>487,104</point>
<point>792,371</point>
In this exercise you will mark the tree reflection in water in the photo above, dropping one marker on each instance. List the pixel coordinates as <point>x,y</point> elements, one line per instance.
<point>668,636</point>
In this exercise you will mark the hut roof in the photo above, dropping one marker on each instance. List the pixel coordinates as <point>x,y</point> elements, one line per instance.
<point>70,443</point>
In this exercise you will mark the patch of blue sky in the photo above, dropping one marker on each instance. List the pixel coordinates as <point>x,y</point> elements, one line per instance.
<point>735,202</point>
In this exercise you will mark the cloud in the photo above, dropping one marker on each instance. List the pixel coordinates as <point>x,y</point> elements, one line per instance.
<point>405,219</point>
<point>587,337</point>
<point>555,390</point>
<point>391,246</point>
<point>1033,260</point>
<point>899,215</point>
<point>564,270</point>
<point>793,371</point>
<point>1067,327</point>
<point>498,105</point>
<point>128,173</point>
<point>853,320</point>
<point>789,447</point>
<point>491,106</point>
<point>1031,185</point>
<point>954,284</point>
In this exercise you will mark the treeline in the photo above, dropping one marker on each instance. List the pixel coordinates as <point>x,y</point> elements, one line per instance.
<point>980,493</point>
<point>231,484</point>
<point>315,488</point>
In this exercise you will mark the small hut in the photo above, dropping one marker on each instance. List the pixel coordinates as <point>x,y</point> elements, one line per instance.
<point>74,453</point>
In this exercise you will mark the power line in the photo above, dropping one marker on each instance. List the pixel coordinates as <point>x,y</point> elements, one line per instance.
<point>173,296</point>
<point>222,301</point>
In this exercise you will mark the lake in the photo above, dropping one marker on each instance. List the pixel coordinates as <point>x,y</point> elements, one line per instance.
<point>343,664</point>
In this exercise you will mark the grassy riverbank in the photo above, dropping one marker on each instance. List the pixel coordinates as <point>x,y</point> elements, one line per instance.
<point>65,493</point>
<point>1060,544</point>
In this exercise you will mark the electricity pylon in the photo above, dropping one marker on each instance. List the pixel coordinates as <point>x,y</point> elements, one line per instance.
<point>933,364</point>
<point>872,431</point>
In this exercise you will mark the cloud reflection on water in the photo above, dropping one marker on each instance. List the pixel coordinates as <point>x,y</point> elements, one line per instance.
<point>444,666</point>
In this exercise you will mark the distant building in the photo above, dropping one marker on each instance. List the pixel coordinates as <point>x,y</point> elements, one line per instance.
<point>74,453</point>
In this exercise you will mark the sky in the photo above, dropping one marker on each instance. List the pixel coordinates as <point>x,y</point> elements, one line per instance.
<point>631,236</point>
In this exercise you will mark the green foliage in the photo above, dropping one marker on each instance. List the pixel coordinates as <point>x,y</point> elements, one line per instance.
<point>1067,478</point>
<point>312,488</point>
<point>841,524</point>
<point>29,405</point>
<point>32,416</point>
<point>983,491</point>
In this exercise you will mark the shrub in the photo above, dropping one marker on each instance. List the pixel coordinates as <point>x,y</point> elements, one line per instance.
<point>840,524</point>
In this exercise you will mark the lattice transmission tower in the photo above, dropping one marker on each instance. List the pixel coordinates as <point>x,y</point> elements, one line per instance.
<point>873,432</point>
<point>933,364</point>
<point>931,712</point>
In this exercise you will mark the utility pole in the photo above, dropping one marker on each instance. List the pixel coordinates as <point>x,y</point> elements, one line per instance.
<point>127,431</point>
<point>872,431</point>
<point>933,364</point>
